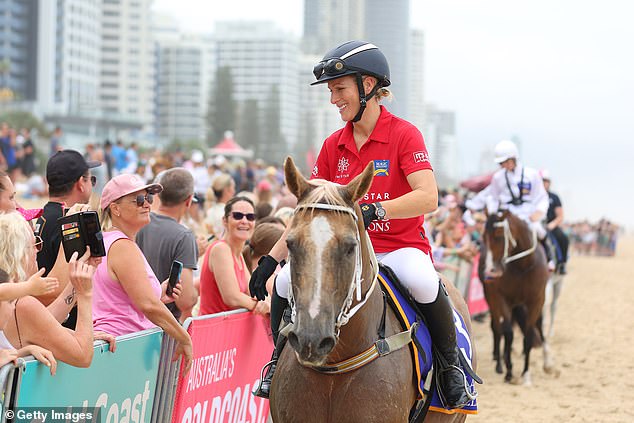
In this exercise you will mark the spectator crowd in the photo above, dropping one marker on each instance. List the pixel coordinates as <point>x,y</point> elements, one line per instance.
<point>217,216</point>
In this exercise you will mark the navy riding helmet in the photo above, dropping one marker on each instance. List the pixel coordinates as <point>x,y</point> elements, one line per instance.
<point>354,58</point>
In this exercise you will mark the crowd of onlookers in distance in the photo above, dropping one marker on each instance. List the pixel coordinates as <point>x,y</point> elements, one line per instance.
<point>597,239</point>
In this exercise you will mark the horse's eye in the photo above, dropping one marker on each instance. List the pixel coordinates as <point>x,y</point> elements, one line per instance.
<point>348,248</point>
<point>291,244</point>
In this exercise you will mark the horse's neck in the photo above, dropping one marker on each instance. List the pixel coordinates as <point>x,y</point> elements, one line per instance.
<point>523,235</point>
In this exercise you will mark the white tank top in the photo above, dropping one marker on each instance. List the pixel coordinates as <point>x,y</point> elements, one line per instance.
<point>4,342</point>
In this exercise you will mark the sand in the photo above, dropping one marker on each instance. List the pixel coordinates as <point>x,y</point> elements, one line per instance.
<point>592,344</point>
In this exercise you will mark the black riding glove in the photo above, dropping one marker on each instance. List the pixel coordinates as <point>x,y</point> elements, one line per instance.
<point>261,274</point>
<point>369,214</point>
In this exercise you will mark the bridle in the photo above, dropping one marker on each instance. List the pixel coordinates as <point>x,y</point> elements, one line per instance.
<point>509,240</point>
<point>383,346</point>
<point>347,311</point>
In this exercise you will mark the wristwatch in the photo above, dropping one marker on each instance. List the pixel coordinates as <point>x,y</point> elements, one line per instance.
<point>380,211</point>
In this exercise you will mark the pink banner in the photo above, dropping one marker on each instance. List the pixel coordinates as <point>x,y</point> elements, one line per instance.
<point>229,352</point>
<point>475,298</point>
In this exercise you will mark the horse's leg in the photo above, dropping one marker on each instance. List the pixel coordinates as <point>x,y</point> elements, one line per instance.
<point>548,299</point>
<point>497,336</point>
<point>528,345</point>
<point>492,298</point>
<point>507,330</point>
<point>558,282</point>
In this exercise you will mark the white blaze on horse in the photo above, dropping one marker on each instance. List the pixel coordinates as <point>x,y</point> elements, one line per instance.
<point>338,312</point>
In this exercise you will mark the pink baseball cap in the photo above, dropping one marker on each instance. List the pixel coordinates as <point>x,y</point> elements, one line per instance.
<point>264,185</point>
<point>125,184</point>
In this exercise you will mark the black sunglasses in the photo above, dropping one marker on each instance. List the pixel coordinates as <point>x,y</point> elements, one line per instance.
<point>141,198</point>
<point>239,216</point>
<point>332,67</point>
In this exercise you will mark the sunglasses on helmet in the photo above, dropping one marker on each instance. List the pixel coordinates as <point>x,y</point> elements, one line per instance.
<point>332,67</point>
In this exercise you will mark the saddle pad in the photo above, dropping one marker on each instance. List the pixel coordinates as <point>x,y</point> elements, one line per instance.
<point>423,359</point>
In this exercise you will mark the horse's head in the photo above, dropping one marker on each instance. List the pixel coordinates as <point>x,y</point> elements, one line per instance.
<point>505,234</point>
<point>494,239</point>
<point>324,249</point>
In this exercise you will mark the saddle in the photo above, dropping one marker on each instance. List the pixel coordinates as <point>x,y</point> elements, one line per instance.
<point>423,357</point>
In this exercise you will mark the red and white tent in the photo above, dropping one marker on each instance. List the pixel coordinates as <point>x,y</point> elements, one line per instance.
<point>228,147</point>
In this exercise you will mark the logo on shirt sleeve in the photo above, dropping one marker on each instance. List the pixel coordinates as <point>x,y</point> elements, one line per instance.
<point>381,168</point>
<point>421,157</point>
<point>315,170</point>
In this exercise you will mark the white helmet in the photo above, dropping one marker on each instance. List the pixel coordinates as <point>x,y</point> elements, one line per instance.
<point>545,174</point>
<point>505,150</point>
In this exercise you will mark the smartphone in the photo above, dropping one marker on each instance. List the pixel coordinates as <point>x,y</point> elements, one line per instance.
<point>175,276</point>
<point>80,230</point>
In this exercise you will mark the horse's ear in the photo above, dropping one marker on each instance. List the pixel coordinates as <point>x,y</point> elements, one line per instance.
<point>360,185</point>
<point>295,181</point>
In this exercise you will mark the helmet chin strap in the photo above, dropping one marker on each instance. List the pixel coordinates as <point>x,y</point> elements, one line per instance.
<point>363,97</point>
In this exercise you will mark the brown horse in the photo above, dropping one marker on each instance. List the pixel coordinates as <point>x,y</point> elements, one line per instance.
<point>515,288</point>
<point>338,310</point>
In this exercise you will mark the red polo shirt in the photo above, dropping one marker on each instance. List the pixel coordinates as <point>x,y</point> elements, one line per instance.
<point>397,149</point>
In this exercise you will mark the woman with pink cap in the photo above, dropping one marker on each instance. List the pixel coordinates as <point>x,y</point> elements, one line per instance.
<point>127,295</point>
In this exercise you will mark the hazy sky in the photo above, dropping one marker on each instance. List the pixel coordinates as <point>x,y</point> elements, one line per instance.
<point>557,74</point>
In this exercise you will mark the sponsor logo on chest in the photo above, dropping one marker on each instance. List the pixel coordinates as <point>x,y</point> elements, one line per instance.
<point>381,168</point>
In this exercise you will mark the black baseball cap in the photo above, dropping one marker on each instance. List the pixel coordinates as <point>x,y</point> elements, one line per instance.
<point>67,166</point>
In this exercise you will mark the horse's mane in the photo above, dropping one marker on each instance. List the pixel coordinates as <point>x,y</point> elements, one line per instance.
<point>324,192</point>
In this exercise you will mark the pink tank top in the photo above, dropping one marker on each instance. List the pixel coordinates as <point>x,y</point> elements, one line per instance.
<point>112,309</point>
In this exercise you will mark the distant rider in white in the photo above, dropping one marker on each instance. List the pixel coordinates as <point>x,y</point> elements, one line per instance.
<point>515,187</point>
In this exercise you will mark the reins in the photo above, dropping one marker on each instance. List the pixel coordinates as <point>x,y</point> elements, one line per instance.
<point>509,239</point>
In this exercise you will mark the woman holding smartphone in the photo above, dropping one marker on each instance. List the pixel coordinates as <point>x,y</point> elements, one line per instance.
<point>225,275</point>
<point>127,295</point>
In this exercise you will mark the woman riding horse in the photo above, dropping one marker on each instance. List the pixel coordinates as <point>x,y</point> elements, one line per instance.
<point>403,190</point>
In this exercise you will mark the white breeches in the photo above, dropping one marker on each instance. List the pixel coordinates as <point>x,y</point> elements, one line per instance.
<point>414,269</point>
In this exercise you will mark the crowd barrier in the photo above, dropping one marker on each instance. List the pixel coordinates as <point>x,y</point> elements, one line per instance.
<point>141,383</point>
<point>475,293</point>
<point>464,275</point>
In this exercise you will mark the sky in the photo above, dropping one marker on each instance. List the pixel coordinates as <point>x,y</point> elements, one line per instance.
<point>559,75</point>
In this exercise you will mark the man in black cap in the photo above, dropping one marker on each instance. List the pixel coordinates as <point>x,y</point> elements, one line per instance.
<point>69,183</point>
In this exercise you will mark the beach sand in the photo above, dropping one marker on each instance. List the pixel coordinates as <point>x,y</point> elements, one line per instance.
<point>592,345</point>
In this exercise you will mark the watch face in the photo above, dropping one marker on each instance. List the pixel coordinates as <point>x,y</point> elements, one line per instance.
<point>380,212</point>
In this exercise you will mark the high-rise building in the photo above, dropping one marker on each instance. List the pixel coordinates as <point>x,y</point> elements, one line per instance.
<point>127,61</point>
<point>441,143</point>
<point>328,23</point>
<point>185,68</point>
<point>52,52</point>
<point>387,25</point>
<point>77,63</point>
<point>18,38</point>
<point>263,64</point>
<point>416,105</point>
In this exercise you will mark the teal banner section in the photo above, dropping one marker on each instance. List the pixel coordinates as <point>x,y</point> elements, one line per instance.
<point>122,383</point>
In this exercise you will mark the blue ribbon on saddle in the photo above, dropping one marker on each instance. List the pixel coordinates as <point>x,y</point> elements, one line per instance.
<point>423,358</point>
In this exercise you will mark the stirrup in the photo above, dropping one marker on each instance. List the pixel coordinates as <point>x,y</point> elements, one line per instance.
<point>258,389</point>
<point>471,393</point>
